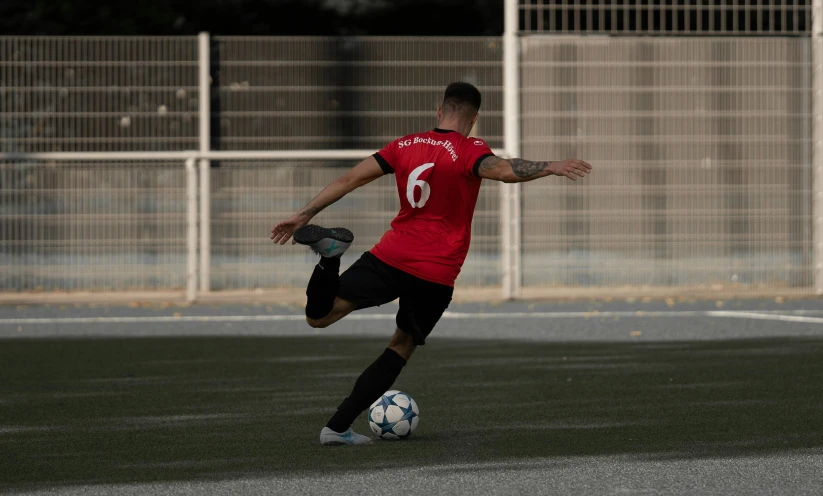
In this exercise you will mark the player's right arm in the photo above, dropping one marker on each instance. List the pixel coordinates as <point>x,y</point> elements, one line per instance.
<point>363,173</point>
<point>518,170</point>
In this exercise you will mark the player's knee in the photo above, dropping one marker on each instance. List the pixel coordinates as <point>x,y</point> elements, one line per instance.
<point>402,344</point>
<point>317,323</point>
<point>405,351</point>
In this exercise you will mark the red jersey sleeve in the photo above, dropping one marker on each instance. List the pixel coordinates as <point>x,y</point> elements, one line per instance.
<point>387,157</point>
<point>474,152</point>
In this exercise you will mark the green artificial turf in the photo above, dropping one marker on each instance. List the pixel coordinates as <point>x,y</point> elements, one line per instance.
<point>122,410</point>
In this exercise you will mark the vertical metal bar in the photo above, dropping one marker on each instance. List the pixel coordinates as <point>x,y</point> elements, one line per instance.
<point>205,226</point>
<point>204,96</point>
<point>817,142</point>
<point>191,230</point>
<point>516,268</point>
<point>510,193</point>
<point>505,240</point>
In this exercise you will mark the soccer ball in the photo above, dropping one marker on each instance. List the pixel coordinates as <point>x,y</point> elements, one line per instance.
<point>394,415</point>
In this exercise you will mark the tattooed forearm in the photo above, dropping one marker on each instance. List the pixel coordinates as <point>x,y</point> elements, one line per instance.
<point>512,170</point>
<point>517,170</point>
<point>312,211</point>
<point>527,168</point>
<point>489,163</point>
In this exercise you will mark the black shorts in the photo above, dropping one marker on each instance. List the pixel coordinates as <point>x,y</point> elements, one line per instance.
<point>370,282</point>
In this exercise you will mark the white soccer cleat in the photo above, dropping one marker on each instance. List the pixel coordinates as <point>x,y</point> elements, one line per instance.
<point>330,438</point>
<point>325,242</point>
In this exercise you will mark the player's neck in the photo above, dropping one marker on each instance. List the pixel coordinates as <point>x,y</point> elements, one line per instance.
<point>454,125</point>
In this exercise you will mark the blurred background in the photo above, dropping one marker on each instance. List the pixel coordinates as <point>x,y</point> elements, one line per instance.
<point>698,116</point>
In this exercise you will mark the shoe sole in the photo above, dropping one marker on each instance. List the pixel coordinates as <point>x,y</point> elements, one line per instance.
<point>334,443</point>
<point>341,443</point>
<point>311,234</point>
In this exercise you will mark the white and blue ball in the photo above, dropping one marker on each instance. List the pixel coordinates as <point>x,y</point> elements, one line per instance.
<point>394,415</point>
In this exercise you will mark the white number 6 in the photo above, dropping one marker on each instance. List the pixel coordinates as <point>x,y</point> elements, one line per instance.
<point>425,190</point>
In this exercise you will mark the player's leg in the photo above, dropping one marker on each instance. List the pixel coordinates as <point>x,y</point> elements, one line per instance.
<point>373,382</point>
<point>421,305</point>
<point>339,309</point>
<point>369,282</point>
<point>402,343</point>
<point>323,307</point>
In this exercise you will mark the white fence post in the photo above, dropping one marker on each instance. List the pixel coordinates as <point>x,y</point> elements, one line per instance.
<point>191,230</point>
<point>817,142</point>
<point>510,193</point>
<point>205,166</point>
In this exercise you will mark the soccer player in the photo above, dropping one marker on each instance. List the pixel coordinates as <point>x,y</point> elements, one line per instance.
<point>438,176</point>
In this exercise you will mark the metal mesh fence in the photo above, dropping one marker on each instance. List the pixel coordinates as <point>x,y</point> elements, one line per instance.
<point>702,149</point>
<point>702,155</point>
<point>249,198</point>
<point>98,94</point>
<point>79,226</point>
<point>333,93</point>
<point>346,93</point>
<point>669,17</point>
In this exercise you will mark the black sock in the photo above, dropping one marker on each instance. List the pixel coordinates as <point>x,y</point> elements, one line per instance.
<point>323,287</point>
<point>372,383</point>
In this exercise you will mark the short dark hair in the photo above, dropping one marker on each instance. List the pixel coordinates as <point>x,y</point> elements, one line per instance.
<point>462,97</point>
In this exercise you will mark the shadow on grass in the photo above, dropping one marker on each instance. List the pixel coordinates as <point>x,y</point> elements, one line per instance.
<point>87,411</point>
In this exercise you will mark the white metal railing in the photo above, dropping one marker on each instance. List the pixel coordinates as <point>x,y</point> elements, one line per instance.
<point>197,218</point>
<point>548,98</point>
<point>510,215</point>
<point>817,140</point>
<point>198,191</point>
<point>191,230</point>
<point>204,80</point>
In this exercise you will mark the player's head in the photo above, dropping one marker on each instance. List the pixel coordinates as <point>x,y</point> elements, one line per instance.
<point>462,98</point>
<point>461,104</point>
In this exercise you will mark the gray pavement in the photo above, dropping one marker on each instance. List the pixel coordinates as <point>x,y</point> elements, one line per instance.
<point>781,474</point>
<point>578,321</point>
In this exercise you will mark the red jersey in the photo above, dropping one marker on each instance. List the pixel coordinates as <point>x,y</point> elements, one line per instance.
<point>438,185</point>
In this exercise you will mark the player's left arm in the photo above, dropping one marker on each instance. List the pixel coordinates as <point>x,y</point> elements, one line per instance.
<point>363,173</point>
<point>518,170</point>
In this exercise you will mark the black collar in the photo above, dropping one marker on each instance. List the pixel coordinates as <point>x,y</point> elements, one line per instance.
<point>438,130</point>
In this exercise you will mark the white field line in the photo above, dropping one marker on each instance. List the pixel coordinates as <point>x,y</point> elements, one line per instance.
<point>767,316</point>
<point>783,317</point>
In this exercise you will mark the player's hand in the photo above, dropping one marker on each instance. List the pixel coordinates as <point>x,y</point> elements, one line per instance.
<point>283,231</point>
<point>571,168</point>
